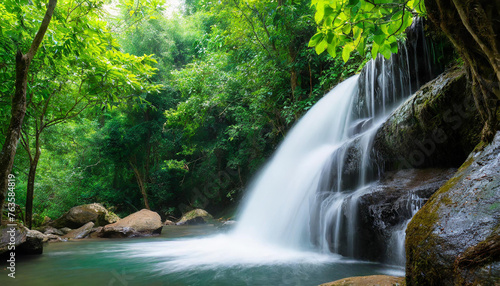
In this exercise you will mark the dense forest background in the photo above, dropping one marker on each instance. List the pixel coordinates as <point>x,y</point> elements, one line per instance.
<point>136,104</point>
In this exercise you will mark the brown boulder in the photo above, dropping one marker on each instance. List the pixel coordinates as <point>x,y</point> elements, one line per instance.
<point>141,223</point>
<point>81,232</point>
<point>80,215</point>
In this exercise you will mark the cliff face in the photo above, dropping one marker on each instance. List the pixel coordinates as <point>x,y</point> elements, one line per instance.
<point>455,238</point>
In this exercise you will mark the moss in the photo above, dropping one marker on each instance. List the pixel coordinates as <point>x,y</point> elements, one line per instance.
<point>421,239</point>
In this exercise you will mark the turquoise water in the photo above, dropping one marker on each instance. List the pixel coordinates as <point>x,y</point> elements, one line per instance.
<point>165,260</point>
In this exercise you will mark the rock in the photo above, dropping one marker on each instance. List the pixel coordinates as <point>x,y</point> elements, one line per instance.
<point>437,127</point>
<point>374,280</point>
<point>50,230</point>
<point>141,223</point>
<point>228,224</point>
<point>26,242</point>
<point>15,235</point>
<point>65,230</point>
<point>95,232</point>
<point>455,238</point>
<point>382,208</point>
<point>54,238</point>
<point>80,215</point>
<point>33,244</point>
<point>168,222</point>
<point>390,203</point>
<point>194,217</point>
<point>81,232</point>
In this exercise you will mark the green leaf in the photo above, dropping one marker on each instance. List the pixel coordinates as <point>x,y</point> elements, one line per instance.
<point>321,47</point>
<point>374,50</point>
<point>346,51</point>
<point>332,51</point>
<point>315,39</point>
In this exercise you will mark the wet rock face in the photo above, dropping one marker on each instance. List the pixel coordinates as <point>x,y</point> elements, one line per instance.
<point>437,127</point>
<point>389,203</point>
<point>455,238</point>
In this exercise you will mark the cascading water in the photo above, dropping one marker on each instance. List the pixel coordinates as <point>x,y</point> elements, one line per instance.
<point>307,194</point>
<point>306,197</point>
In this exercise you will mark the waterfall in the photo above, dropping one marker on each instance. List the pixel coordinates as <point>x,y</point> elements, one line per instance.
<point>304,203</point>
<point>307,194</point>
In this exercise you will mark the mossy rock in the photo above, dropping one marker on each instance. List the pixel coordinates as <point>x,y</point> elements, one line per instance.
<point>453,239</point>
<point>194,217</point>
<point>437,127</point>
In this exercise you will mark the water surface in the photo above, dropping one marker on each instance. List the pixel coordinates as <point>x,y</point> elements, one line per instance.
<point>183,256</point>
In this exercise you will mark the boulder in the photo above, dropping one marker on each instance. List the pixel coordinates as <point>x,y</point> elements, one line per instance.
<point>33,243</point>
<point>228,224</point>
<point>13,235</point>
<point>141,223</point>
<point>25,241</point>
<point>455,238</point>
<point>65,230</point>
<point>95,232</point>
<point>379,280</point>
<point>195,217</point>
<point>388,205</point>
<point>168,222</point>
<point>50,230</point>
<point>437,127</point>
<point>81,232</point>
<point>80,215</point>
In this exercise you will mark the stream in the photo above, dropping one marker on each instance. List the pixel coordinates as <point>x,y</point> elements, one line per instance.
<point>183,255</point>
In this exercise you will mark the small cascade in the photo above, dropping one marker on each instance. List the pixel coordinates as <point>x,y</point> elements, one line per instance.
<point>396,244</point>
<point>307,196</point>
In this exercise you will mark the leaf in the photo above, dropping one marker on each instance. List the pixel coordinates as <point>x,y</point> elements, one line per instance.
<point>346,29</point>
<point>315,39</point>
<point>320,13</point>
<point>321,47</point>
<point>374,50</point>
<point>346,51</point>
<point>332,51</point>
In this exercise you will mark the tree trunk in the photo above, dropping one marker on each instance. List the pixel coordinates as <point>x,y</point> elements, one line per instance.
<point>472,26</point>
<point>142,187</point>
<point>19,104</point>
<point>31,183</point>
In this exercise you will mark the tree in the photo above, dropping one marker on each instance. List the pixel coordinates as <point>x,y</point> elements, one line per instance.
<point>470,25</point>
<point>80,66</point>
<point>18,106</point>
<point>355,24</point>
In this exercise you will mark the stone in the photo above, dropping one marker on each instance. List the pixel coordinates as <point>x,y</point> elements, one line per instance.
<point>96,232</point>
<point>455,238</point>
<point>81,232</point>
<point>141,223</point>
<point>389,204</point>
<point>17,234</point>
<point>80,215</point>
<point>195,217</point>
<point>65,230</point>
<point>378,280</point>
<point>437,127</point>
<point>50,230</point>
<point>168,222</point>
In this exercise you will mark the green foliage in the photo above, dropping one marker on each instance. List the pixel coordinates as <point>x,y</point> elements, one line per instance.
<point>357,24</point>
<point>190,106</point>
